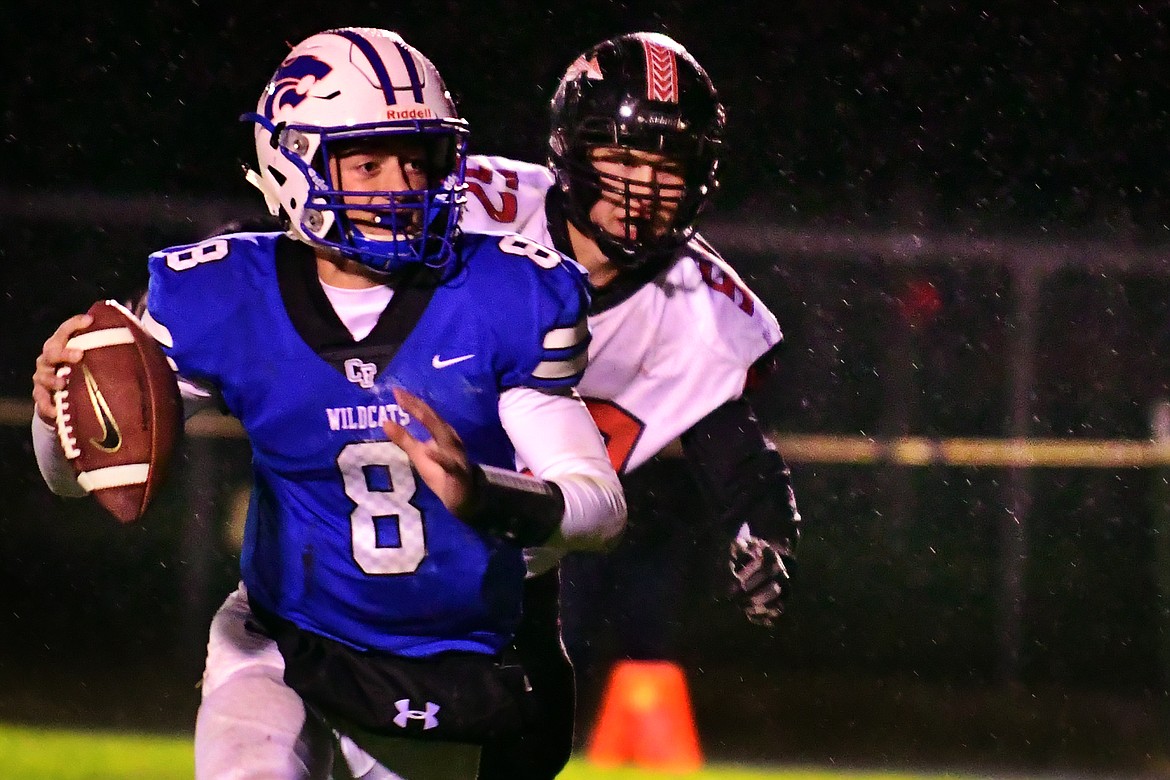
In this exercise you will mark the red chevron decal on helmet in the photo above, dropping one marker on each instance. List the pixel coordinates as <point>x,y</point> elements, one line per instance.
<point>661,73</point>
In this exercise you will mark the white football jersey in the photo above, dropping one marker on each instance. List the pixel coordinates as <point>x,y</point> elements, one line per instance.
<point>665,357</point>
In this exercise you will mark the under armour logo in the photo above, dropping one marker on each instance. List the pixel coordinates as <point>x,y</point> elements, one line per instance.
<point>360,373</point>
<point>406,714</point>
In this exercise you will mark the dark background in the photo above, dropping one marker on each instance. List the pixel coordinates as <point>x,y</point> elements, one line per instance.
<point>993,120</point>
<point>1045,114</point>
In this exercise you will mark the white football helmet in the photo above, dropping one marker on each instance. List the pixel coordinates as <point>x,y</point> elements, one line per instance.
<point>345,85</point>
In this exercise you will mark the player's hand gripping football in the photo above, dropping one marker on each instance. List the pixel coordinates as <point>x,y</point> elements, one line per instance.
<point>442,461</point>
<point>53,356</point>
<point>760,580</point>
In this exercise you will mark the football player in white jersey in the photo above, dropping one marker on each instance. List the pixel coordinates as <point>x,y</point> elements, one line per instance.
<point>382,569</point>
<point>678,339</point>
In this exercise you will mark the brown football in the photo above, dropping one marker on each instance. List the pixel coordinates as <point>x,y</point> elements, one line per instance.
<point>119,416</point>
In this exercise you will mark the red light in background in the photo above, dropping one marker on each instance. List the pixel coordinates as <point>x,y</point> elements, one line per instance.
<point>919,302</point>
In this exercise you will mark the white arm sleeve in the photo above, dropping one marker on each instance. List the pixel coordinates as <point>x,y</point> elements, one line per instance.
<point>557,440</point>
<point>55,468</point>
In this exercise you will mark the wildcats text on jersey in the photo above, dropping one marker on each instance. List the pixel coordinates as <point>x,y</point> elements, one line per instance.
<point>362,418</point>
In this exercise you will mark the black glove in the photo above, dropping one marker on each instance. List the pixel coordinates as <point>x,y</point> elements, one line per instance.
<point>759,571</point>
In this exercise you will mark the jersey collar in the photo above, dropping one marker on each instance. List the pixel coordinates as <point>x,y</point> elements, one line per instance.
<point>318,325</point>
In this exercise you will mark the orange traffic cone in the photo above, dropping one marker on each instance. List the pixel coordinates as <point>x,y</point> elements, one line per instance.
<point>646,719</point>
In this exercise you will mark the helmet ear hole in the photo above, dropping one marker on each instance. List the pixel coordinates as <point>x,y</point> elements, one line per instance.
<point>276,134</point>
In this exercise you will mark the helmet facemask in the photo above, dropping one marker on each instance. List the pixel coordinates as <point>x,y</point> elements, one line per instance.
<point>660,213</point>
<point>386,229</point>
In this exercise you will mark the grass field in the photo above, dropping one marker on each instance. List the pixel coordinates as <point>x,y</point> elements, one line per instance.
<point>28,753</point>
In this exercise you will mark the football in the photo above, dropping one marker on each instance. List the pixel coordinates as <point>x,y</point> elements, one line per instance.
<point>119,415</point>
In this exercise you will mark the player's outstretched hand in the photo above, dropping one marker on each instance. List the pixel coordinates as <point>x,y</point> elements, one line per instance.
<point>442,461</point>
<point>760,580</point>
<point>53,356</point>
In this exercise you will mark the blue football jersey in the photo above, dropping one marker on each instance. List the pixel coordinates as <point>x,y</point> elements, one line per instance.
<point>342,537</point>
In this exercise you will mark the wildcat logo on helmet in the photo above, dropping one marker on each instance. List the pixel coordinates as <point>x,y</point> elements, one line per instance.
<point>286,89</point>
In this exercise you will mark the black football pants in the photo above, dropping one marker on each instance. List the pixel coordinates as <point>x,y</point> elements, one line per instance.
<point>543,749</point>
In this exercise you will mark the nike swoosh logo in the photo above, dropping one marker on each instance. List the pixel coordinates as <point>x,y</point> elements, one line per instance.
<point>111,440</point>
<point>437,363</point>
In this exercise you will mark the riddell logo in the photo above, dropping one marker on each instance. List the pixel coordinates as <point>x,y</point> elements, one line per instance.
<point>421,112</point>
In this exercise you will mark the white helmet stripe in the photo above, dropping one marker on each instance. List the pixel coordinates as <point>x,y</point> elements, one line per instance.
<point>416,85</point>
<point>379,67</point>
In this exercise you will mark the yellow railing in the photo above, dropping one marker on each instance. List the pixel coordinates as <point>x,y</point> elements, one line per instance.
<point>922,451</point>
<point>855,450</point>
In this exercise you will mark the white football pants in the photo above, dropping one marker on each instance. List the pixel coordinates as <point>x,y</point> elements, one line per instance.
<point>252,726</point>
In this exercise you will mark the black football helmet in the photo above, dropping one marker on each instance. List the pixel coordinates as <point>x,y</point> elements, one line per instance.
<point>639,91</point>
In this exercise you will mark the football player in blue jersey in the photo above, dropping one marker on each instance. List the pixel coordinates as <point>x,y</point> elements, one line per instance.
<point>678,343</point>
<point>398,381</point>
